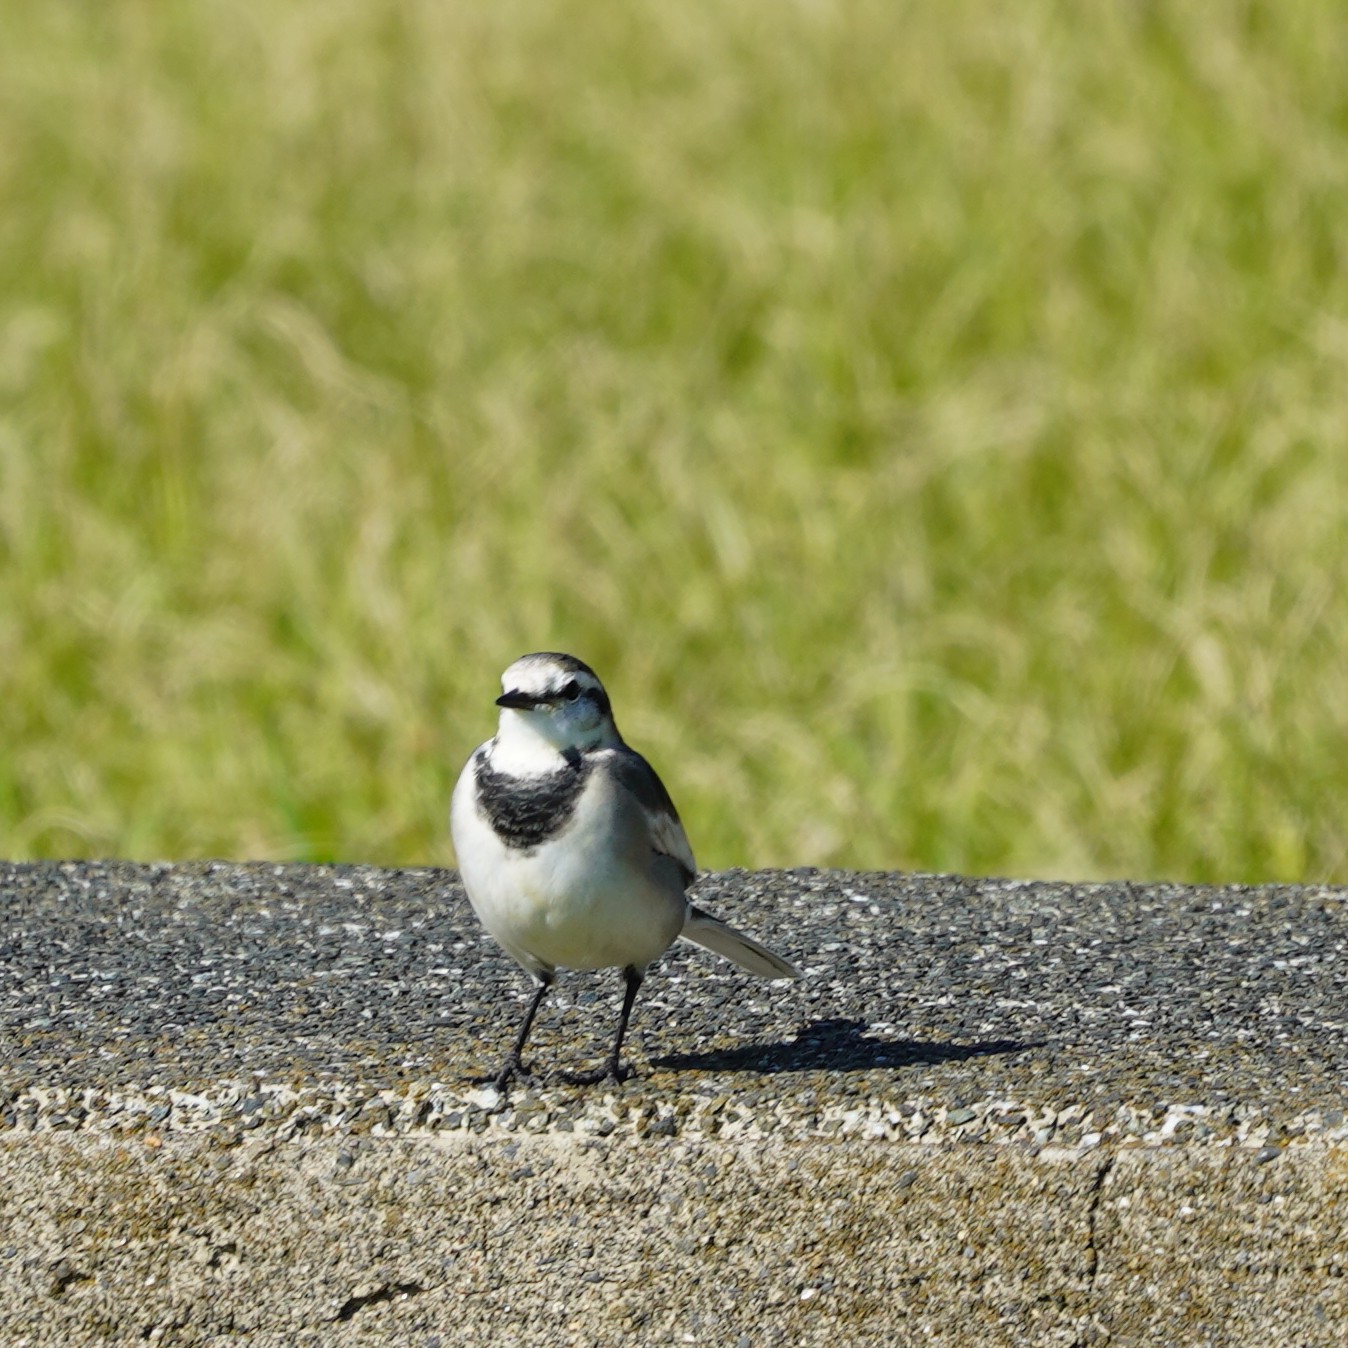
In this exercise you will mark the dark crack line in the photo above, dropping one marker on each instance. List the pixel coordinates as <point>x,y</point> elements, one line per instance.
<point>65,1275</point>
<point>386,1293</point>
<point>1095,1198</point>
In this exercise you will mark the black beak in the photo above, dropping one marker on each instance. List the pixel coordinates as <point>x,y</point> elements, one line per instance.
<point>518,700</point>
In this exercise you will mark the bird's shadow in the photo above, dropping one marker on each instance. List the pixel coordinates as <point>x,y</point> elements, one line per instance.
<point>834,1046</point>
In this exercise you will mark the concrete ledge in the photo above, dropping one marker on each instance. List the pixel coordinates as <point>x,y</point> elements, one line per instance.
<point>550,1239</point>
<point>236,1102</point>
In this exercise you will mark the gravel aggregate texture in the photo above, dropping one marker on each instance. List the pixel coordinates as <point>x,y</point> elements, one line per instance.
<point>240,1101</point>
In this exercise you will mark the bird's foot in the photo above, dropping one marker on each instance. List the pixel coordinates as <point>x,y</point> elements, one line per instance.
<point>514,1070</point>
<point>614,1073</point>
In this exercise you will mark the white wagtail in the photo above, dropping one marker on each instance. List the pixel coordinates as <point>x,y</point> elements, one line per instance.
<point>571,850</point>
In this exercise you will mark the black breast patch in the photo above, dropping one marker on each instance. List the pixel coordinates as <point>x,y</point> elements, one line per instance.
<point>526,811</point>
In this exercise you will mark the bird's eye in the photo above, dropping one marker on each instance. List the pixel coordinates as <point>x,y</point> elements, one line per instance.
<point>572,691</point>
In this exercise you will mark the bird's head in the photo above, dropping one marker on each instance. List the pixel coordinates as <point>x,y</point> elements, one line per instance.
<point>556,699</point>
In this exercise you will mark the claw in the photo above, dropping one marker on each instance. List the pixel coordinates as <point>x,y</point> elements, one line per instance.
<point>514,1070</point>
<point>611,1072</point>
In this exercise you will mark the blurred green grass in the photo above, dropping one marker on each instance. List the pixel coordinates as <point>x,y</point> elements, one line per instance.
<point>930,421</point>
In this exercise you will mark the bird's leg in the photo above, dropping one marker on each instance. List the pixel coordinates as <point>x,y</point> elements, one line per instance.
<point>514,1066</point>
<point>612,1069</point>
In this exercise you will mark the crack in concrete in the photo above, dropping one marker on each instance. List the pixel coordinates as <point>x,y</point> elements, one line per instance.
<point>1094,1333</point>
<point>388,1292</point>
<point>1096,1190</point>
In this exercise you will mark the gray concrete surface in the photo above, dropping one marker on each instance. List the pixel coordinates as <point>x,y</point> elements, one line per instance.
<point>237,1104</point>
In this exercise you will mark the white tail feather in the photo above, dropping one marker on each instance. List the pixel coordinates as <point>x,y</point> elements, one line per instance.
<point>705,930</point>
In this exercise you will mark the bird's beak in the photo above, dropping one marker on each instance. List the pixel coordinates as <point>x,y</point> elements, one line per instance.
<point>518,700</point>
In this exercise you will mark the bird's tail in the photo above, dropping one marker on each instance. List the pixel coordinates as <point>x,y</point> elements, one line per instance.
<point>715,935</point>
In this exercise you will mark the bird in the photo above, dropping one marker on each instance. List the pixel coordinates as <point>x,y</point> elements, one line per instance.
<point>572,852</point>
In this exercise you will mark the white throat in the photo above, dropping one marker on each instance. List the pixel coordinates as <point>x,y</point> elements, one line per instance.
<point>520,749</point>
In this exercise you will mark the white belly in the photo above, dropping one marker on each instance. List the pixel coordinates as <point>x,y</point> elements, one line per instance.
<point>594,897</point>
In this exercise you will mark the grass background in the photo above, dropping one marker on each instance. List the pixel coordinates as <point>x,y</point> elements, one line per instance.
<point>929,419</point>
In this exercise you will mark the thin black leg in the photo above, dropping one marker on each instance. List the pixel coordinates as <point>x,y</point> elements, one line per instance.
<point>514,1066</point>
<point>612,1069</point>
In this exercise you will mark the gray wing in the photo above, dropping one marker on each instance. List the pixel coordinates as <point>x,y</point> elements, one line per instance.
<point>662,819</point>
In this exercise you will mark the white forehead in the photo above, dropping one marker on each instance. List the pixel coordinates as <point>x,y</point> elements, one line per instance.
<point>545,672</point>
